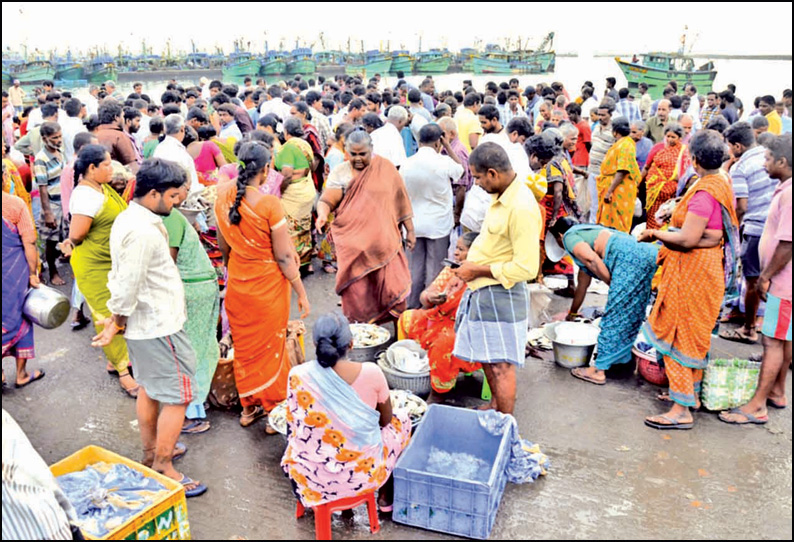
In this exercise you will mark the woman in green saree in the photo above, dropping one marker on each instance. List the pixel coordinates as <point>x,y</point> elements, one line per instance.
<point>94,206</point>
<point>294,162</point>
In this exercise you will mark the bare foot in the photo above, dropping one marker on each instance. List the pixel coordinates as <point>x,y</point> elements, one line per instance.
<point>56,280</point>
<point>489,406</point>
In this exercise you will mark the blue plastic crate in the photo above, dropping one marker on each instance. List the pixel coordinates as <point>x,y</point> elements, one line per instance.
<point>444,503</point>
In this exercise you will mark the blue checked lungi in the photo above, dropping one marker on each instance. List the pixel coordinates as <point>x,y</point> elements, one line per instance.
<point>491,325</point>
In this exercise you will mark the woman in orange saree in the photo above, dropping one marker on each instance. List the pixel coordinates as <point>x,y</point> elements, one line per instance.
<point>698,263</point>
<point>618,181</point>
<point>666,163</point>
<point>371,205</point>
<point>263,268</point>
<point>433,327</point>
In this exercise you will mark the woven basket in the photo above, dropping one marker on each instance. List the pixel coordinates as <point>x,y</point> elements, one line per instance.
<point>729,383</point>
<point>649,368</point>
<point>418,384</point>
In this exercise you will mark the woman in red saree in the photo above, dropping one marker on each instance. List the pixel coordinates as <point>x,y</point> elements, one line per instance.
<point>371,205</point>
<point>433,326</point>
<point>666,162</point>
<point>263,268</point>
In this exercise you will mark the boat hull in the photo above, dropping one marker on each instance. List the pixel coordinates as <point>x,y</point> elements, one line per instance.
<point>241,69</point>
<point>530,64</point>
<point>370,68</point>
<point>273,67</point>
<point>657,79</point>
<point>101,75</point>
<point>35,74</point>
<point>301,67</point>
<point>403,64</point>
<point>75,73</point>
<point>435,65</point>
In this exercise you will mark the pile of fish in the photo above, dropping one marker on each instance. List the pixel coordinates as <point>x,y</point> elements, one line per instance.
<point>366,335</point>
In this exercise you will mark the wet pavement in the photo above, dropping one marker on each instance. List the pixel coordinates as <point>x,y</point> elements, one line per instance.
<point>611,476</point>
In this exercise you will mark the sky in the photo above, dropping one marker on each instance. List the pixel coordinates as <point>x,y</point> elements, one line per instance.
<point>584,28</point>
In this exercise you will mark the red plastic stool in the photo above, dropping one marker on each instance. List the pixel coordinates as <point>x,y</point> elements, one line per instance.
<point>322,513</point>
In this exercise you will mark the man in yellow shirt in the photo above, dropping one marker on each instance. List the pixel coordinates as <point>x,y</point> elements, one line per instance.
<point>469,129</point>
<point>767,108</point>
<point>491,324</point>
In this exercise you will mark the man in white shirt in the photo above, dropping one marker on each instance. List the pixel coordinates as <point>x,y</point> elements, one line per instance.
<point>428,177</point>
<point>644,101</point>
<point>496,133</point>
<point>71,125</point>
<point>694,105</point>
<point>143,131</point>
<point>91,101</point>
<point>171,149</point>
<point>147,303</point>
<point>229,127</point>
<point>274,104</point>
<point>387,141</point>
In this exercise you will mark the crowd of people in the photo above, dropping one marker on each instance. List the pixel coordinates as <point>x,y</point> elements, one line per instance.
<point>190,222</point>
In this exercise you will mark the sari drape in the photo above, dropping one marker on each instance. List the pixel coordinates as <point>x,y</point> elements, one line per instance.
<point>373,278</point>
<point>434,330</point>
<point>17,329</point>
<point>662,180</point>
<point>298,198</point>
<point>618,214</point>
<point>690,296</point>
<point>91,264</point>
<point>257,299</point>
<point>336,448</point>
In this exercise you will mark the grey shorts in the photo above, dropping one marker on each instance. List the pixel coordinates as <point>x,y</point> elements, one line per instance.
<point>751,258</point>
<point>52,234</point>
<point>165,367</point>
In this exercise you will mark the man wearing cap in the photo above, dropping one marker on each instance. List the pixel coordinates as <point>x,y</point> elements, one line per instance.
<point>16,94</point>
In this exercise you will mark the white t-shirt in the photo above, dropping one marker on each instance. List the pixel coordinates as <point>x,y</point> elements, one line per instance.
<point>388,143</point>
<point>477,203</point>
<point>515,152</point>
<point>85,201</point>
<point>428,178</point>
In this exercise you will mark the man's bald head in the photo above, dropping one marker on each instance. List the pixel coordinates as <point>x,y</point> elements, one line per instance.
<point>663,110</point>
<point>449,126</point>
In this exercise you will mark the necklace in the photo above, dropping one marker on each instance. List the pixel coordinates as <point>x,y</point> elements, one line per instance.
<point>252,188</point>
<point>93,184</point>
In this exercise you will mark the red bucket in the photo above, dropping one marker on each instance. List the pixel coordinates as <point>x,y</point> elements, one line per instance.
<point>649,368</point>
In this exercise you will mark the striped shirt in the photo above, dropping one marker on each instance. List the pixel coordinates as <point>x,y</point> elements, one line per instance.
<point>708,113</point>
<point>47,168</point>
<point>630,110</point>
<point>510,115</point>
<point>601,140</point>
<point>752,182</point>
<point>34,507</point>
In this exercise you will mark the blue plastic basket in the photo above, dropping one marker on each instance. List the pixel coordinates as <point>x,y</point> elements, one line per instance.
<point>443,503</point>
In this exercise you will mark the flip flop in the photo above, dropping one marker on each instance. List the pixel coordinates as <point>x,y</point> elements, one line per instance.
<point>749,418</point>
<point>200,488</point>
<point>732,319</point>
<point>247,419</point>
<point>735,336</point>
<point>80,324</point>
<point>665,398</point>
<point>386,509</point>
<point>37,375</point>
<point>773,404</point>
<point>576,374</point>
<point>196,426</point>
<point>674,424</point>
<point>179,451</point>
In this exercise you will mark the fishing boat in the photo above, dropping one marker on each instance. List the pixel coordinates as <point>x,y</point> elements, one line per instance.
<point>368,64</point>
<point>274,63</point>
<point>301,62</point>
<point>657,69</point>
<point>433,61</point>
<point>33,72</point>
<point>402,61</point>
<point>516,62</point>
<point>66,69</point>
<point>7,79</point>
<point>100,69</point>
<point>197,61</point>
<point>329,60</point>
<point>241,64</point>
<point>465,59</point>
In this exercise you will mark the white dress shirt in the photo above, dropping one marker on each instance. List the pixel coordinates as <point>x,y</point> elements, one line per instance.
<point>388,143</point>
<point>144,281</point>
<point>231,130</point>
<point>428,178</point>
<point>171,149</point>
<point>277,107</point>
<point>70,127</point>
<point>144,131</point>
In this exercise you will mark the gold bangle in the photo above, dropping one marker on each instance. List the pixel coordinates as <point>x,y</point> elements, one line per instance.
<point>118,328</point>
<point>297,277</point>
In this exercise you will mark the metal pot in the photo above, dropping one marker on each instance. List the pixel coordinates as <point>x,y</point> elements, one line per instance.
<point>567,355</point>
<point>46,307</point>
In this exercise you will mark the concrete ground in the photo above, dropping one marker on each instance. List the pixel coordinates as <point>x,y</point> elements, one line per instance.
<point>611,476</point>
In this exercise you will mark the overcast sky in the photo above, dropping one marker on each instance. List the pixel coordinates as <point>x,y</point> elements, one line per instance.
<point>583,28</point>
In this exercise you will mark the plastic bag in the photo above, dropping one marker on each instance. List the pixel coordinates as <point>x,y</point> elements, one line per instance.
<point>526,462</point>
